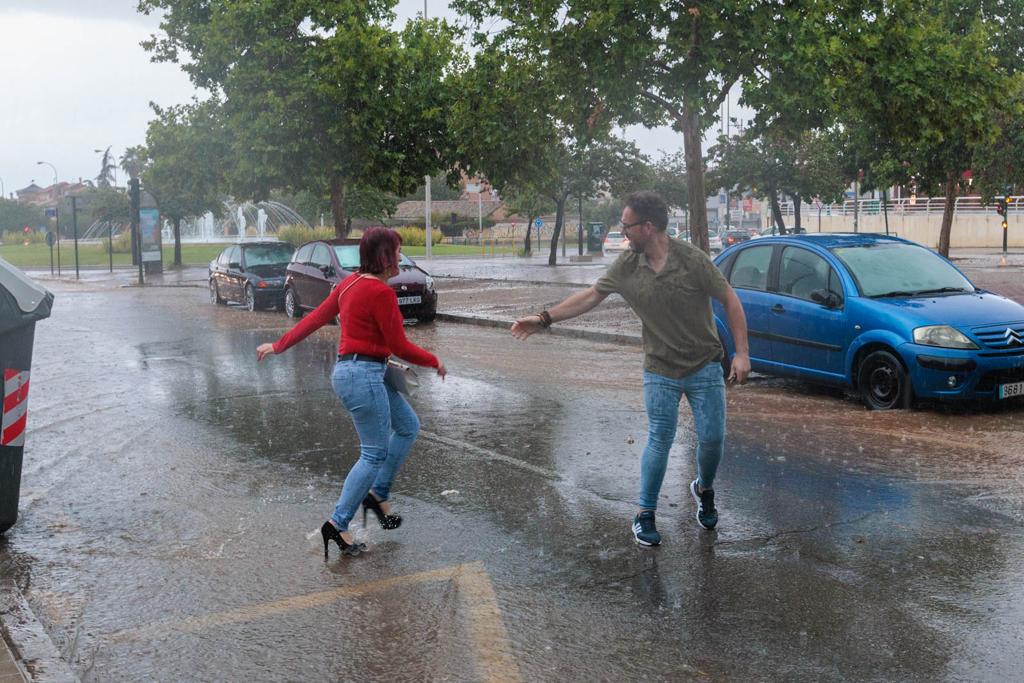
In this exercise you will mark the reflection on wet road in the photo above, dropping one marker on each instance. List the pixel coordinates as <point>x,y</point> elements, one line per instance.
<point>171,485</point>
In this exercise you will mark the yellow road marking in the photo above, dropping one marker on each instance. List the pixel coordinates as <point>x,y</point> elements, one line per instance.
<point>487,630</point>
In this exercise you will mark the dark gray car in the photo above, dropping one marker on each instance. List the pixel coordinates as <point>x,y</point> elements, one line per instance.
<point>250,273</point>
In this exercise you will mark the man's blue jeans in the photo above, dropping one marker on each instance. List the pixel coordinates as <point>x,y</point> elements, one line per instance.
<point>387,427</point>
<point>705,390</point>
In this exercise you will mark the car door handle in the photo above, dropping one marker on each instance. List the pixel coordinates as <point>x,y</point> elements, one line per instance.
<point>777,308</point>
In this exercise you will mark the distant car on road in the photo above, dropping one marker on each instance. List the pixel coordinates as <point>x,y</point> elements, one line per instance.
<point>251,273</point>
<point>616,241</point>
<point>731,237</point>
<point>317,267</point>
<point>881,315</point>
<point>715,242</point>
<point>774,231</point>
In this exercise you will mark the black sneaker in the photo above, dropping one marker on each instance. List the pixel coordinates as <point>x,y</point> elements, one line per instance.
<point>707,515</point>
<point>644,531</point>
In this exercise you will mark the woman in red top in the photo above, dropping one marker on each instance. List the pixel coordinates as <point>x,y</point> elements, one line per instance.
<point>371,330</point>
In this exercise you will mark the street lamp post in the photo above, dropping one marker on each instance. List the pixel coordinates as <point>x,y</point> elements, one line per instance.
<point>56,210</point>
<point>3,192</point>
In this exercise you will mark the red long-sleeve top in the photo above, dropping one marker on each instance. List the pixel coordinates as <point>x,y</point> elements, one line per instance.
<point>371,322</point>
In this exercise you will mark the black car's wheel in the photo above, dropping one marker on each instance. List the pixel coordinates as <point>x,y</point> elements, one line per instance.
<point>215,297</point>
<point>250,298</point>
<point>883,383</point>
<point>291,306</point>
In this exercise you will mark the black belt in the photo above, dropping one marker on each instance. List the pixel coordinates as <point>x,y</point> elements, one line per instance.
<point>362,356</point>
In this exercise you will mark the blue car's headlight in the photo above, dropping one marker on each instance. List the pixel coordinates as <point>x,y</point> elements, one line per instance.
<point>943,336</point>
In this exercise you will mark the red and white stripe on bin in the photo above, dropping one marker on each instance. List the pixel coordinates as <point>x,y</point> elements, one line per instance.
<point>15,416</point>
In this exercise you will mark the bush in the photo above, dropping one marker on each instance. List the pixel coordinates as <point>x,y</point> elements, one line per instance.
<point>417,237</point>
<point>19,237</point>
<point>122,243</point>
<point>297,235</point>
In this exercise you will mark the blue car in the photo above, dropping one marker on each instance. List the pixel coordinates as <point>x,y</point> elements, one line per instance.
<point>881,315</point>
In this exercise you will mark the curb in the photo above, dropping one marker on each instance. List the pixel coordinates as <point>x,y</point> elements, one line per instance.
<point>505,280</point>
<point>32,652</point>
<point>611,337</point>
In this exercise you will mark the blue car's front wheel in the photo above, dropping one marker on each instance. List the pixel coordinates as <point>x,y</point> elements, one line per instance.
<point>883,382</point>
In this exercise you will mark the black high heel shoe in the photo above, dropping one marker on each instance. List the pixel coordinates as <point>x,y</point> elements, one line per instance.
<point>385,521</point>
<point>330,533</point>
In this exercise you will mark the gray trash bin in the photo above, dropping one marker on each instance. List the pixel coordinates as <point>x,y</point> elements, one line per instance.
<point>22,303</point>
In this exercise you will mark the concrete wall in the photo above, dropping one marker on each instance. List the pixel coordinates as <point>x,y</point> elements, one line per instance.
<point>970,230</point>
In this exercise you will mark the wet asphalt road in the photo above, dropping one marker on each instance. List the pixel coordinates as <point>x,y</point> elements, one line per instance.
<point>170,486</point>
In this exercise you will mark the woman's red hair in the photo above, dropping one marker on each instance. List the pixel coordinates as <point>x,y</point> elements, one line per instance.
<point>378,251</point>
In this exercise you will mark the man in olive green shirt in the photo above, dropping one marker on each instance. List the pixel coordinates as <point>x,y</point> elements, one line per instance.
<point>669,285</point>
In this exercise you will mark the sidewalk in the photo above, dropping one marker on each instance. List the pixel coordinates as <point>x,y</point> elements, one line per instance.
<point>9,670</point>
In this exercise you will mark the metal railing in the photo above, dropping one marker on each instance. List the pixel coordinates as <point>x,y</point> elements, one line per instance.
<point>969,205</point>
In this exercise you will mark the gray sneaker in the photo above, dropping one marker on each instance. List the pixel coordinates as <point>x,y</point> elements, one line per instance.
<point>707,515</point>
<point>644,530</point>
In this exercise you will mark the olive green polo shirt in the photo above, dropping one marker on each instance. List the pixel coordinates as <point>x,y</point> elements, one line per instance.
<point>674,306</point>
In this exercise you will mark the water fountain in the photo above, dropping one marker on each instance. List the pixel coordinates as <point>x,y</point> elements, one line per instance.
<point>238,221</point>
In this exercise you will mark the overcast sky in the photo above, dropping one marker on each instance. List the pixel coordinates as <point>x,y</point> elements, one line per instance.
<point>74,79</point>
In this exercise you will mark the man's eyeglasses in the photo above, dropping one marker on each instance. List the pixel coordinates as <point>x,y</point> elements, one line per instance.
<point>627,226</point>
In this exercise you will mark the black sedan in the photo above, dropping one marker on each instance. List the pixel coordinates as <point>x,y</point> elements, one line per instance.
<point>251,273</point>
<point>317,267</point>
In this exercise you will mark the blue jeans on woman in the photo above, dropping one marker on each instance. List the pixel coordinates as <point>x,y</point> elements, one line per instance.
<point>387,427</point>
<point>705,391</point>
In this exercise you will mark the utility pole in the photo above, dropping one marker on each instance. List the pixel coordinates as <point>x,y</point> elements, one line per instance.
<point>133,193</point>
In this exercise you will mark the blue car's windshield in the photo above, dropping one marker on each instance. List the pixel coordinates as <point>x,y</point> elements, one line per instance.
<point>896,269</point>
<point>267,254</point>
<point>348,257</point>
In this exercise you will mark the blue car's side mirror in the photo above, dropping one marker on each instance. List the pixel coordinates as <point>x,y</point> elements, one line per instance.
<point>826,298</point>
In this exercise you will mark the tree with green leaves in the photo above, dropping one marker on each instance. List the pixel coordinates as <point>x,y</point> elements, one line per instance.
<point>648,61</point>
<point>530,203</point>
<point>769,166</point>
<point>920,83</point>
<point>15,216</point>
<point>533,135</point>
<point>997,168</point>
<point>668,178</point>
<point>107,167</point>
<point>183,163</point>
<point>319,95</point>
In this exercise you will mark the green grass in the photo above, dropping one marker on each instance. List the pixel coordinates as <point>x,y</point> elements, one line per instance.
<point>38,255</point>
<point>459,250</point>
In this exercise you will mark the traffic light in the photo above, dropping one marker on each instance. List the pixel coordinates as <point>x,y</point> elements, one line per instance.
<point>1001,207</point>
<point>1006,224</point>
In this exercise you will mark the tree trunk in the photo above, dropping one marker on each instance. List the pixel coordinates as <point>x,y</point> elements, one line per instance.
<point>780,222</point>
<point>947,213</point>
<point>177,241</point>
<point>338,207</point>
<point>695,179</point>
<point>796,212</point>
<point>529,231</point>
<point>885,209</point>
<point>579,230</point>
<point>559,218</point>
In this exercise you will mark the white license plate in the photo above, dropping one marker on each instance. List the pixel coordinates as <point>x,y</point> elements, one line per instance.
<point>403,300</point>
<point>1010,390</point>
